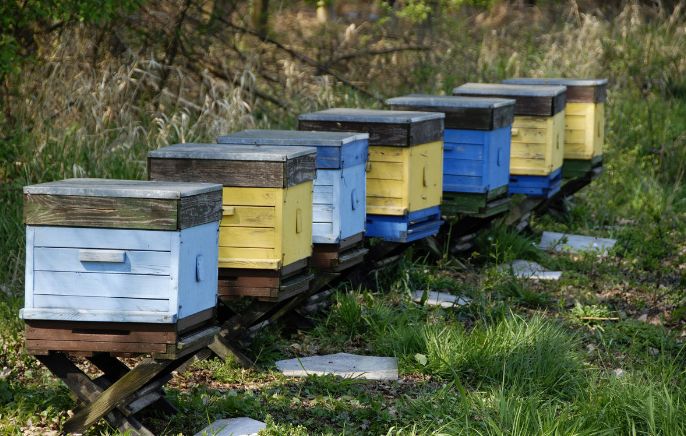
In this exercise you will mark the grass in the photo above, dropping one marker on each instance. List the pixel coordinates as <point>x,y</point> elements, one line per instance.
<point>599,352</point>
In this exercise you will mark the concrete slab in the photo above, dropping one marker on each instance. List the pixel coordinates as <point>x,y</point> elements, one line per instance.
<point>343,365</point>
<point>525,269</point>
<point>443,299</point>
<point>233,427</point>
<point>567,243</point>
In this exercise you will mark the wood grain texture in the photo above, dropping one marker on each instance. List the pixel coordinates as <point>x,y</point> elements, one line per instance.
<point>578,90</point>
<point>392,135</point>
<point>113,396</point>
<point>110,212</point>
<point>87,391</point>
<point>235,173</point>
<point>197,210</point>
<point>530,100</point>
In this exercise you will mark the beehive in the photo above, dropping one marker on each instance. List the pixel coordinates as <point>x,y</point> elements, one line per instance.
<point>102,250</point>
<point>404,177</point>
<point>267,198</point>
<point>537,146</point>
<point>584,119</point>
<point>339,185</point>
<point>476,150</point>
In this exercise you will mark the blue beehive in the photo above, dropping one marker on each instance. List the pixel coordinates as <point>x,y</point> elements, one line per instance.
<point>339,187</point>
<point>476,150</point>
<point>122,251</point>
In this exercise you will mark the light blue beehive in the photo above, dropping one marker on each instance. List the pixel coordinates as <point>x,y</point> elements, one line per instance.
<point>120,251</point>
<point>339,187</point>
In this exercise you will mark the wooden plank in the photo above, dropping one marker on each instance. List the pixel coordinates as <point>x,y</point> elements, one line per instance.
<point>392,135</point>
<point>83,303</point>
<point>197,319</point>
<point>116,239</point>
<point>200,209</point>
<point>96,284</point>
<point>578,90</point>
<point>120,188</point>
<point>111,397</point>
<point>530,99</point>
<point>135,262</point>
<point>106,346</point>
<point>300,170</point>
<point>189,344</point>
<point>226,172</point>
<point>87,391</point>
<point>110,212</point>
<point>471,113</point>
<point>115,333</point>
<point>249,216</point>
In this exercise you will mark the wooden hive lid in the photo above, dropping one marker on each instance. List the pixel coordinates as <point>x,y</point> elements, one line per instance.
<point>254,166</point>
<point>530,100</point>
<point>389,128</point>
<point>130,204</point>
<point>329,144</point>
<point>578,90</point>
<point>472,113</point>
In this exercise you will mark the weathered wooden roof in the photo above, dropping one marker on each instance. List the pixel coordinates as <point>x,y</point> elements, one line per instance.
<point>370,116</point>
<point>578,90</point>
<point>121,188</point>
<point>473,113</point>
<point>530,99</point>
<point>292,138</point>
<point>268,153</point>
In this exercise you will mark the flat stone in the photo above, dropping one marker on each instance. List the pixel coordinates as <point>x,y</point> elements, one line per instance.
<point>525,269</point>
<point>443,299</point>
<point>567,243</point>
<point>343,365</point>
<point>233,427</point>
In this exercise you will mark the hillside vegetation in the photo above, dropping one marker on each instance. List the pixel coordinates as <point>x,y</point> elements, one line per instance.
<point>600,352</point>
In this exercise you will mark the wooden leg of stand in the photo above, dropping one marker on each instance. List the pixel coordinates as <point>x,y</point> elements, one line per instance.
<point>88,391</point>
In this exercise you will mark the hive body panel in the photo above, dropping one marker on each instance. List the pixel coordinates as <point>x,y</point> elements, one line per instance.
<point>265,228</point>
<point>402,180</point>
<point>584,130</point>
<point>116,275</point>
<point>537,144</point>
<point>476,161</point>
<point>338,204</point>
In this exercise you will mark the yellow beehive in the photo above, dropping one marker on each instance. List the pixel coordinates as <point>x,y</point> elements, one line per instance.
<point>585,114</point>
<point>265,228</point>
<point>405,167</point>
<point>267,198</point>
<point>402,180</point>
<point>537,144</point>
<point>538,130</point>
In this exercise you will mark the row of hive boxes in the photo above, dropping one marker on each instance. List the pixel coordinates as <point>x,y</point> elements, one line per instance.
<point>92,242</point>
<point>554,120</point>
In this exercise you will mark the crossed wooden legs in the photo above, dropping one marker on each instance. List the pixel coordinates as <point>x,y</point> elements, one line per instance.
<point>120,392</point>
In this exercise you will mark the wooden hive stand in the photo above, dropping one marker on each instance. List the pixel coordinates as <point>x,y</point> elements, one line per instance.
<point>121,393</point>
<point>119,268</point>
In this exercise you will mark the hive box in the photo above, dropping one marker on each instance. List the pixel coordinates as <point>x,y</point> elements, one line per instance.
<point>476,150</point>
<point>339,186</point>
<point>404,177</point>
<point>584,121</point>
<point>267,198</point>
<point>121,251</point>
<point>537,146</point>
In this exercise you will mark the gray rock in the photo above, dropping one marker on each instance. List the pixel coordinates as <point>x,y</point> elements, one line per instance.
<point>343,365</point>
<point>562,242</point>
<point>233,427</point>
<point>443,299</point>
<point>525,269</point>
